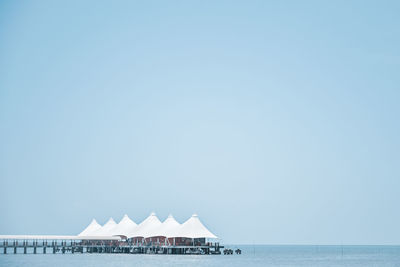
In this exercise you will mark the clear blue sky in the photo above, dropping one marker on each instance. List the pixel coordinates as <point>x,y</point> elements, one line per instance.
<point>276,121</point>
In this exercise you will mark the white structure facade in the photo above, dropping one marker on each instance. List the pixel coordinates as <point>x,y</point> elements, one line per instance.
<point>150,228</point>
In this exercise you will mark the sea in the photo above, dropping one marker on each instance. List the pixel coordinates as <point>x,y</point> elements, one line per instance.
<point>252,255</point>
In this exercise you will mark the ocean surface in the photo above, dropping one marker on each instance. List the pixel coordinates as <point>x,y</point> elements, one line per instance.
<point>318,256</point>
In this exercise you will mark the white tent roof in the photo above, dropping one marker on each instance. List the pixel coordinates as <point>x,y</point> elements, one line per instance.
<point>167,228</point>
<point>104,231</point>
<point>193,228</point>
<point>151,226</point>
<point>146,227</point>
<point>125,226</point>
<point>91,228</point>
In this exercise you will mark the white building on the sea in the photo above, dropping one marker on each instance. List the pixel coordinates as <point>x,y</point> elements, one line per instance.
<point>152,230</point>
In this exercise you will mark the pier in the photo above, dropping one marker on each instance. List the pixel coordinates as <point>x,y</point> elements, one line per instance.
<point>78,244</point>
<point>151,236</point>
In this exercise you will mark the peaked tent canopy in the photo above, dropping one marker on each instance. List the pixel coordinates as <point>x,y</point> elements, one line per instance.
<point>193,228</point>
<point>167,228</point>
<point>91,228</point>
<point>125,226</point>
<point>146,227</point>
<point>104,231</point>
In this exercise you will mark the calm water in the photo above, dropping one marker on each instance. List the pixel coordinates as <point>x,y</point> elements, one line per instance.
<point>379,256</point>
